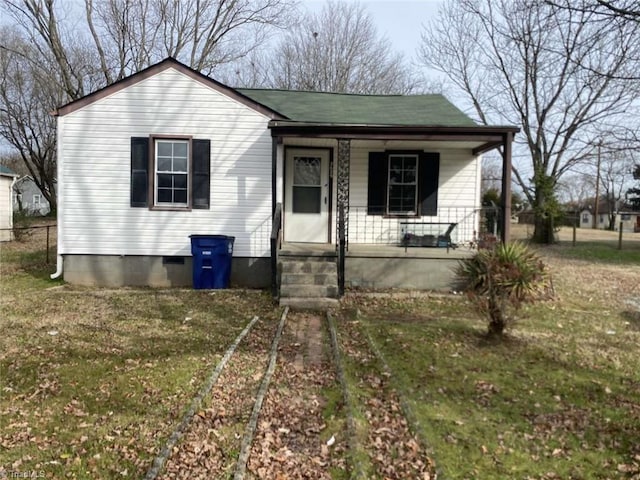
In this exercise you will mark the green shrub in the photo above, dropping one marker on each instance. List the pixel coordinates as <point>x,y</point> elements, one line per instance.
<point>501,279</point>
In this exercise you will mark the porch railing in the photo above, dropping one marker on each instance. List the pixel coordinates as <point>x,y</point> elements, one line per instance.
<point>276,241</point>
<point>471,224</point>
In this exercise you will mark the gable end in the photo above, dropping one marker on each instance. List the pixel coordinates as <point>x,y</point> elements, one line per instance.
<point>158,68</point>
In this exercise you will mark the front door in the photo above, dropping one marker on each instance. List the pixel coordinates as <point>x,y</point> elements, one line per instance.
<point>306,202</point>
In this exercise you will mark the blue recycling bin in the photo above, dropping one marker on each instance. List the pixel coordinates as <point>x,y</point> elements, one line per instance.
<point>212,256</point>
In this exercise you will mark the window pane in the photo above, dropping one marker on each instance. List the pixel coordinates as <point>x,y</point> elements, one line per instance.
<point>306,171</point>
<point>179,164</point>
<point>164,195</point>
<point>180,181</point>
<point>306,199</point>
<point>395,163</point>
<point>164,149</point>
<point>164,164</point>
<point>164,180</point>
<point>410,174</point>
<point>395,176</point>
<point>180,149</point>
<point>180,196</point>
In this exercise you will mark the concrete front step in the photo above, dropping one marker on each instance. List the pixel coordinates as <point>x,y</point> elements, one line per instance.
<point>308,279</point>
<point>290,266</point>
<point>309,303</point>
<point>308,282</point>
<point>309,291</point>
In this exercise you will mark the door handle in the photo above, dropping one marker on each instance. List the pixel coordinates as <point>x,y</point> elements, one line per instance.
<point>325,200</point>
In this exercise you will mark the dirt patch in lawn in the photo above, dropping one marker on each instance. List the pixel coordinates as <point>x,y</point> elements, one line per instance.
<point>301,431</point>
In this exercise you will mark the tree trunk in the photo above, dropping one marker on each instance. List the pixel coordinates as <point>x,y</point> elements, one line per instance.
<point>543,230</point>
<point>497,322</point>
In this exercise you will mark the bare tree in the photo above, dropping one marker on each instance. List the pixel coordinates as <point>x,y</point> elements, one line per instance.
<point>338,50</point>
<point>616,171</point>
<point>576,189</point>
<point>627,9</point>
<point>27,96</point>
<point>550,70</point>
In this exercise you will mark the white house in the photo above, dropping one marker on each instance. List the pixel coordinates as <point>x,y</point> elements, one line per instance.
<point>630,220</point>
<point>27,197</point>
<point>7,179</point>
<point>167,153</point>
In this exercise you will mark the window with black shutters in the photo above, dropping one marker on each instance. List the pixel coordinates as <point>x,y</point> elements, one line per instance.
<point>175,174</point>
<point>403,183</point>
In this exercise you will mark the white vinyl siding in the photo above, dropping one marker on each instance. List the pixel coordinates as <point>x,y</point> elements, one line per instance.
<point>6,210</point>
<point>96,217</point>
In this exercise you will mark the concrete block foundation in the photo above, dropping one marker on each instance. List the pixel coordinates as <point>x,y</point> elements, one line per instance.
<point>152,271</point>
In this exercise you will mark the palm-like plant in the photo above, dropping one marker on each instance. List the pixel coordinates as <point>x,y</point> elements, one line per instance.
<point>502,279</point>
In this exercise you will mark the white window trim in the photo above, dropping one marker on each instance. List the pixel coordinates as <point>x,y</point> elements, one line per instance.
<point>37,199</point>
<point>156,172</point>
<point>414,212</point>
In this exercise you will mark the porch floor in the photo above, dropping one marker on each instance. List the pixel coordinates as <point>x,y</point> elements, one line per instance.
<point>361,250</point>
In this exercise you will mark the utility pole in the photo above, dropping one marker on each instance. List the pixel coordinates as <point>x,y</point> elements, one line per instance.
<point>597,199</point>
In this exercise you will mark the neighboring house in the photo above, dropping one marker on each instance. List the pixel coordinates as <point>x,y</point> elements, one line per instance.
<point>7,179</point>
<point>630,220</point>
<point>28,198</point>
<point>168,152</point>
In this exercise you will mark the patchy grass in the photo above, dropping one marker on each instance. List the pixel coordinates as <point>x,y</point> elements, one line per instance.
<point>557,399</point>
<point>92,381</point>
<point>591,245</point>
<point>600,252</point>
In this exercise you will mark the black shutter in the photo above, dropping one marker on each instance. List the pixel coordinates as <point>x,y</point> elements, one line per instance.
<point>377,185</point>
<point>200,179</point>
<point>428,176</point>
<point>139,171</point>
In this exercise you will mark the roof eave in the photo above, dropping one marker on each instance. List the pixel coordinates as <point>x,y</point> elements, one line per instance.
<point>480,133</point>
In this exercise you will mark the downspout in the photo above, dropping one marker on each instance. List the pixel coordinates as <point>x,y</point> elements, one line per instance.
<point>59,264</point>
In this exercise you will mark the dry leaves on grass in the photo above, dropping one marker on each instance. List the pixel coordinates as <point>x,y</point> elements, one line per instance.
<point>210,445</point>
<point>394,450</point>
<point>292,438</point>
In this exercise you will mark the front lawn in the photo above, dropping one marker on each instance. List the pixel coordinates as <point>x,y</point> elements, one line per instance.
<point>93,381</point>
<point>559,398</point>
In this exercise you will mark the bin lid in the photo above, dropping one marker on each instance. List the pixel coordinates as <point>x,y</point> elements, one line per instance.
<point>204,235</point>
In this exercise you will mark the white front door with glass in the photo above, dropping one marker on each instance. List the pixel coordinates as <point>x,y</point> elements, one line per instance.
<point>306,201</point>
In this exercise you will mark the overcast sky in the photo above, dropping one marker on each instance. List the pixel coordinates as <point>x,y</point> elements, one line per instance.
<point>399,20</point>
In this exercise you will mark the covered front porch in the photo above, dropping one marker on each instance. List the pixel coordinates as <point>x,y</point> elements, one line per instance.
<point>392,207</point>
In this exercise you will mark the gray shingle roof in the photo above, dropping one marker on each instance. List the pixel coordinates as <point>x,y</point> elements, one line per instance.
<point>340,108</point>
<point>7,171</point>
